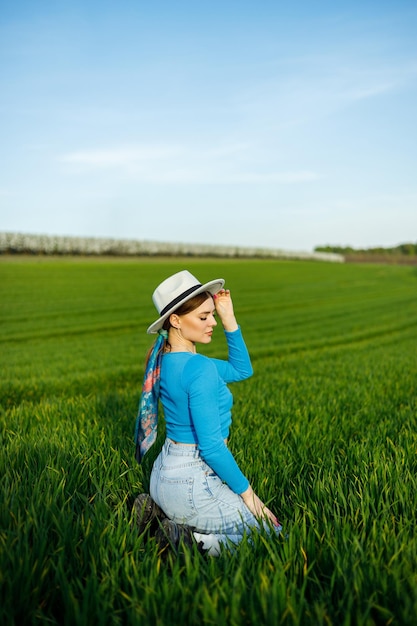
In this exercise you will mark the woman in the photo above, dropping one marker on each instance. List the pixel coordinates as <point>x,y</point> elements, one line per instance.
<point>195,481</point>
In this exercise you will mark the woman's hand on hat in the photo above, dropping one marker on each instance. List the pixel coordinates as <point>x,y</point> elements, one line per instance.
<point>224,308</point>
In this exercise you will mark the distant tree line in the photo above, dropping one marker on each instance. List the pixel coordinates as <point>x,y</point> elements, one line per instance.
<point>405,249</point>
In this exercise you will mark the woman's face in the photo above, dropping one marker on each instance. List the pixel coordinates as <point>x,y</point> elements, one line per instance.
<point>197,326</point>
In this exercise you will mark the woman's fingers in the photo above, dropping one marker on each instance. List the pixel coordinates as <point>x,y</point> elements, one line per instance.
<point>259,510</point>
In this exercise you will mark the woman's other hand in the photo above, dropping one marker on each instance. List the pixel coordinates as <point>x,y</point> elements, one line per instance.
<point>257,507</point>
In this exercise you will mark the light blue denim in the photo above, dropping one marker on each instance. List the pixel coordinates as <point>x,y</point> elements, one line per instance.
<point>189,492</point>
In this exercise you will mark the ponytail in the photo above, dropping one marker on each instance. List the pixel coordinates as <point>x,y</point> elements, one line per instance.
<point>147,417</point>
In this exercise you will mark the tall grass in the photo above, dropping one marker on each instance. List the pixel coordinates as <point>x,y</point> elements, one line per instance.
<point>325,430</point>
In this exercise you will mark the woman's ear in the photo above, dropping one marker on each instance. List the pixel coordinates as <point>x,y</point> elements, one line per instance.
<point>174,320</point>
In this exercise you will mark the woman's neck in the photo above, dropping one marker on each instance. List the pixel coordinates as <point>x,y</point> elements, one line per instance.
<point>177,343</point>
<point>191,349</point>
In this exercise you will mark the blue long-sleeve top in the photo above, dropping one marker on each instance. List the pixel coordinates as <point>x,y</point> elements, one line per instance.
<point>197,403</point>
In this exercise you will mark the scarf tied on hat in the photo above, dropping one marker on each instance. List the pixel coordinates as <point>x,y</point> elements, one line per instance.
<point>147,417</point>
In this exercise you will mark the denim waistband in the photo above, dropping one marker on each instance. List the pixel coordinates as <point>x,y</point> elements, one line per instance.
<point>181,449</point>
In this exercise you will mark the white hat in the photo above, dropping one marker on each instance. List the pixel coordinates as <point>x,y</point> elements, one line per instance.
<point>176,290</point>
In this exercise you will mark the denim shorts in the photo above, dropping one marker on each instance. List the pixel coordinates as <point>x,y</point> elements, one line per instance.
<point>189,492</point>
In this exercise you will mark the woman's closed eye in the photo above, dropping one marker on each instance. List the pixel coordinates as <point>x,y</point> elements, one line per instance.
<point>204,317</point>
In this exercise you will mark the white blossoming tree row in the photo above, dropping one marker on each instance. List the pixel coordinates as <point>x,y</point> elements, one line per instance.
<point>21,243</point>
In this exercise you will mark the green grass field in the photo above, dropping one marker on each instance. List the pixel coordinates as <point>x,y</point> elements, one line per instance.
<point>326,430</point>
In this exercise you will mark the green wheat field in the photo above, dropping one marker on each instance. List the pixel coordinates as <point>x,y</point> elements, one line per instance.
<point>326,431</point>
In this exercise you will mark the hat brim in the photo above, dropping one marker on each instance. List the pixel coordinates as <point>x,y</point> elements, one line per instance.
<point>212,287</point>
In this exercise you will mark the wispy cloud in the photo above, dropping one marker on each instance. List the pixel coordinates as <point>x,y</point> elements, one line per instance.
<point>121,156</point>
<point>360,83</point>
<point>174,164</point>
<point>312,88</point>
<point>6,193</point>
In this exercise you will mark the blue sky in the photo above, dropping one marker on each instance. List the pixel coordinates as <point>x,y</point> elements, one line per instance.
<point>277,124</point>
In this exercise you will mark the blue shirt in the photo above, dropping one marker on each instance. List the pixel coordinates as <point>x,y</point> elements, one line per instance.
<point>197,403</point>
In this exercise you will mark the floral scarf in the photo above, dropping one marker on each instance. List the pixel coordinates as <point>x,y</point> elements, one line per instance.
<point>147,418</point>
